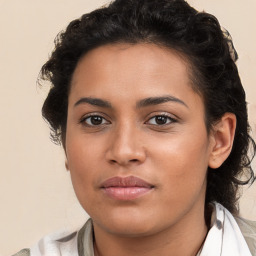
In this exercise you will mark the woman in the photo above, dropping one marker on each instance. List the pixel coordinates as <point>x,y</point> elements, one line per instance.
<point>149,107</point>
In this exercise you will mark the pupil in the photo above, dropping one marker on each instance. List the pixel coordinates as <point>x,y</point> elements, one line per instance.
<point>96,120</point>
<point>161,119</point>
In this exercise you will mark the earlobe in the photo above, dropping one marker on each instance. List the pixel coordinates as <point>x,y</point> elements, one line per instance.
<point>223,134</point>
<point>66,165</point>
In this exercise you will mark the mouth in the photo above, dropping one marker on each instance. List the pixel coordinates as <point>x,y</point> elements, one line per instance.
<point>126,188</point>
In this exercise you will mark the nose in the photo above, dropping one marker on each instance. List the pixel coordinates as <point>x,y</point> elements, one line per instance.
<point>126,147</point>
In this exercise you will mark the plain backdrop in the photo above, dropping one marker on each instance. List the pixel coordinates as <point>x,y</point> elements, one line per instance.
<point>36,195</point>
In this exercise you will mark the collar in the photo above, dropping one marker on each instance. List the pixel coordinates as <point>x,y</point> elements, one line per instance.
<point>224,237</point>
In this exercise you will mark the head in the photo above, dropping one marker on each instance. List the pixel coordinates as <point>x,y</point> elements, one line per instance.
<point>196,37</point>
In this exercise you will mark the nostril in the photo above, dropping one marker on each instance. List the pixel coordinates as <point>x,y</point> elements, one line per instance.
<point>129,161</point>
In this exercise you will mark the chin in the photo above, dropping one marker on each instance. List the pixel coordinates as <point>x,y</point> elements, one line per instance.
<point>126,223</point>
<point>131,229</point>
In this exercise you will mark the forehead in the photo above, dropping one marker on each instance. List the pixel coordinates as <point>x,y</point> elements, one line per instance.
<point>125,70</point>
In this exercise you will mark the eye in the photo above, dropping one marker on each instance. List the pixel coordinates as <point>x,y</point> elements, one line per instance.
<point>94,120</point>
<point>161,120</point>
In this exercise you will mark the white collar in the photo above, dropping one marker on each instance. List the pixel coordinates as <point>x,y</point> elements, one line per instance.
<point>224,237</point>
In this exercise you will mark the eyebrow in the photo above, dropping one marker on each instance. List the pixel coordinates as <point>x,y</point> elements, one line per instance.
<point>159,100</point>
<point>140,104</point>
<point>94,101</point>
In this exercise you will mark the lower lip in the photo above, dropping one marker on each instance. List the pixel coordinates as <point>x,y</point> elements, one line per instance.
<point>126,193</point>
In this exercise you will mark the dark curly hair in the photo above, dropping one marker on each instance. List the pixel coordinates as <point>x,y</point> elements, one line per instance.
<point>176,25</point>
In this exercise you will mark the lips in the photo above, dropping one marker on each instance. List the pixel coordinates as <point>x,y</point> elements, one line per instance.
<point>127,188</point>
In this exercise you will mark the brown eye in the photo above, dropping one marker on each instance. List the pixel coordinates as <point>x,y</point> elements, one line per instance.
<point>161,120</point>
<point>94,120</point>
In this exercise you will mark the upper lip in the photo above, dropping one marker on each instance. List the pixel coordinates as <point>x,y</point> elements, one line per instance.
<point>130,181</point>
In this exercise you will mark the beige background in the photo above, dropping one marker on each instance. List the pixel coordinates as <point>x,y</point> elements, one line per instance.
<point>36,195</point>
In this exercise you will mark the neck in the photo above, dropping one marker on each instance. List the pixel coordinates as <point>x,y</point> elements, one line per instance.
<point>190,232</point>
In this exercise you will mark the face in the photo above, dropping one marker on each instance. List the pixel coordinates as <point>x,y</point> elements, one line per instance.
<point>136,142</point>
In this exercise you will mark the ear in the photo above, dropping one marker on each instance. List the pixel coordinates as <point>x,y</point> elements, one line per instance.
<point>223,134</point>
<point>66,160</point>
<point>66,165</point>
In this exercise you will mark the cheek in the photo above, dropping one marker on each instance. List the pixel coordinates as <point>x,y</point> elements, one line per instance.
<point>82,165</point>
<point>181,170</point>
<point>80,154</point>
<point>182,159</point>
<point>81,150</point>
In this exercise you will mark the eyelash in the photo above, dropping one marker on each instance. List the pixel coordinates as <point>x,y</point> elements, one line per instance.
<point>88,117</point>
<point>166,116</point>
<point>83,120</point>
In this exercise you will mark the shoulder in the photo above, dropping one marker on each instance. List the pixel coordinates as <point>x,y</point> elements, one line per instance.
<point>248,229</point>
<point>24,252</point>
<point>63,243</point>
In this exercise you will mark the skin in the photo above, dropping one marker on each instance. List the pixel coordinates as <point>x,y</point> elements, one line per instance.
<point>173,157</point>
